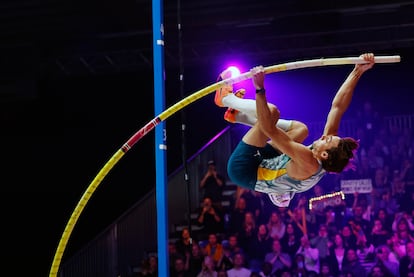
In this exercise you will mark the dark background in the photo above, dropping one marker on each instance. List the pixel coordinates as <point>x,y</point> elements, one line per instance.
<point>76,83</point>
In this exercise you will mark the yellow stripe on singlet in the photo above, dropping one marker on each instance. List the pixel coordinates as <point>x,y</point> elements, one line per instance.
<point>269,174</point>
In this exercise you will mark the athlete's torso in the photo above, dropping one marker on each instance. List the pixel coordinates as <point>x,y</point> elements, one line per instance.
<point>272,177</point>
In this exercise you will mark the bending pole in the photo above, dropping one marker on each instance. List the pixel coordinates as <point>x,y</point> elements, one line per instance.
<point>167,113</point>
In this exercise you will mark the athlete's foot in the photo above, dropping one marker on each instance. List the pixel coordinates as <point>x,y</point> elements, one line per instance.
<point>223,91</point>
<point>230,114</point>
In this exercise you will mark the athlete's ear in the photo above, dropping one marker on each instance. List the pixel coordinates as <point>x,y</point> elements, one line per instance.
<point>324,155</point>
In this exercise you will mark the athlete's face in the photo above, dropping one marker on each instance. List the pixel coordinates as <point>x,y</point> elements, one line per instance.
<point>325,143</point>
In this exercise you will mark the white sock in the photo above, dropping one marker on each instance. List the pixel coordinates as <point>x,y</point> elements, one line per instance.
<point>247,106</point>
<point>247,111</point>
<point>249,120</point>
<point>245,119</point>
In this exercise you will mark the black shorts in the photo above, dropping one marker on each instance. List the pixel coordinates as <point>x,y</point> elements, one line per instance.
<point>244,161</point>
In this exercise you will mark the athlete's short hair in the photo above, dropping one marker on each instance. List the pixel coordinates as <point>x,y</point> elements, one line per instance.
<point>340,157</point>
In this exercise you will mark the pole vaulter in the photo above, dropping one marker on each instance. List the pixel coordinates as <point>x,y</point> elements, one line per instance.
<point>161,117</point>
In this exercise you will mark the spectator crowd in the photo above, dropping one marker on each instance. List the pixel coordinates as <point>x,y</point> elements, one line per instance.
<point>368,233</point>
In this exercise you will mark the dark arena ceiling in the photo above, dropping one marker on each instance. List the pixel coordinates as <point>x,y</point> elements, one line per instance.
<point>56,38</point>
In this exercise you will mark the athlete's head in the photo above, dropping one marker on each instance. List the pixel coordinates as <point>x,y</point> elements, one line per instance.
<point>334,152</point>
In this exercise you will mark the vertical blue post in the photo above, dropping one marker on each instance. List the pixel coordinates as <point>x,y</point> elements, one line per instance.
<point>160,138</point>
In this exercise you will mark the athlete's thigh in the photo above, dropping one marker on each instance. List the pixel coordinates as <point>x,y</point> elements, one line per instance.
<point>255,137</point>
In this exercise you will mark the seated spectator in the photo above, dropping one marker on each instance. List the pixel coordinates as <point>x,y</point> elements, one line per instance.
<point>400,237</point>
<point>261,245</point>
<point>239,269</point>
<point>361,236</point>
<point>407,261</point>
<point>352,265</point>
<point>195,260</point>
<point>366,254</point>
<point>208,268</point>
<point>248,232</point>
<point>321,242</point>
<point>250,198</point>
<point>179,269</point>
<point>213,249</point>
<point>276,226</point>
<point>380,185</point>
<point>407,169</point>
<point>403,221</point>
<point>150,267</point>
<point>153,266</point>
<point>325,270</point>
<point>398,186</point>
<point>261,208</point>
<point>331,222</point>
<point>310,255</point>
<point>237,216</point>
<point>388,202</point>
<point>365,201</point>
<point>375,159</point>
<point>291,240</point>
<point>298,218</point>
<point>379,235</point>
<point>266,270</point>
<point>349,237</point>
<point>277,258</point>
<point>358,219</point>
<point>210,219</point>
<point>318,214</point>
<point>336,254</point>
<point>172,254</point>
<point>299,266</point>
<point>386,219</point>
<point>399,242</point>
<point>234,245</point>
<point>184,244</point>
<point>364,248</point>
<point>383,259</point>
<point>284,212</point>
<point>227,259</point>
<point>212,184</point>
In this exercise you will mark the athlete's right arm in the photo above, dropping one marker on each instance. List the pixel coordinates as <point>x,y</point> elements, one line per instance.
<point>344,95</point>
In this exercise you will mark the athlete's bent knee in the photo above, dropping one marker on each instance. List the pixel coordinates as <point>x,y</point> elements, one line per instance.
<point>275,112</point>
